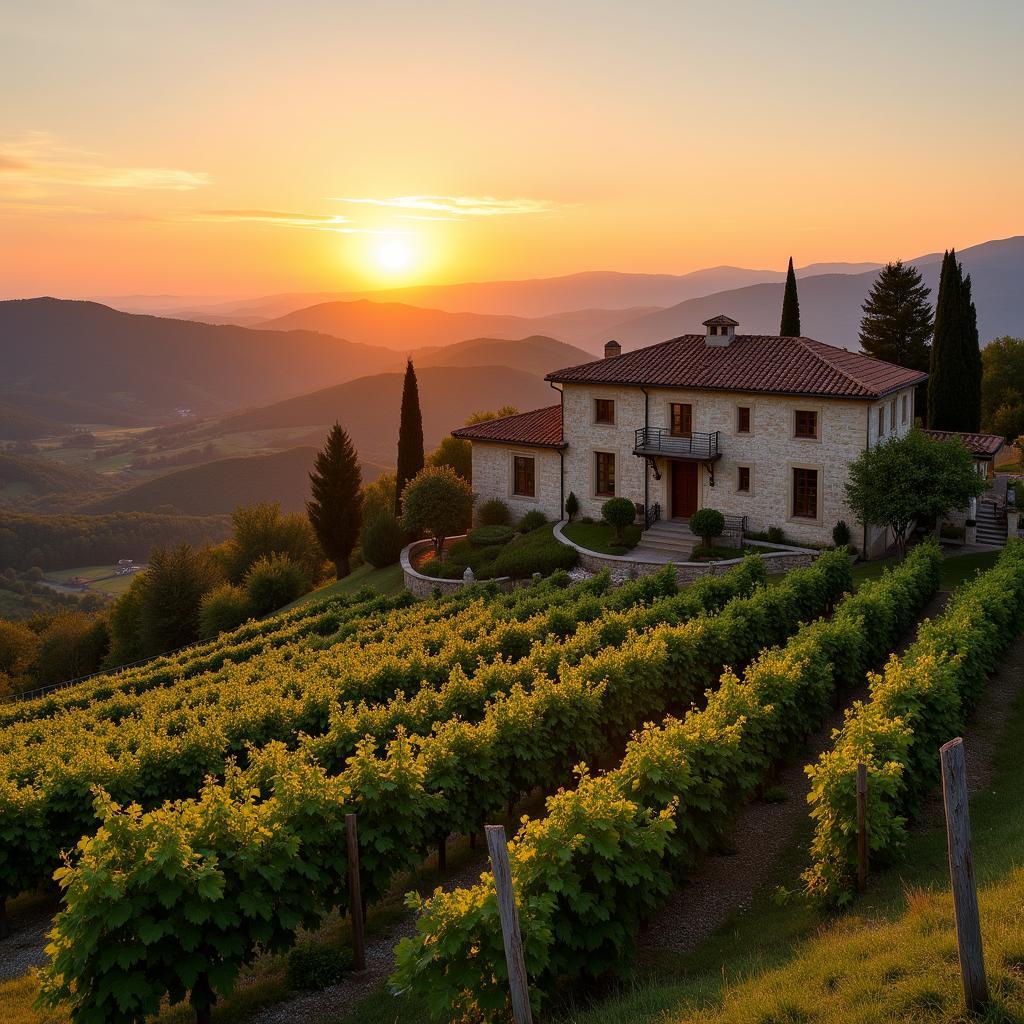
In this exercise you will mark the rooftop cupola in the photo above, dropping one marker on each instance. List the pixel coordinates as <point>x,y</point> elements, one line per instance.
<point>612,349</point>
<point>721,331</point>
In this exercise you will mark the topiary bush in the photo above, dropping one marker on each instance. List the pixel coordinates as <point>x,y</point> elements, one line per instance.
<point>618,513</point>
<point>776,535</point>
<point>488,536</point>
<point>707,523</point>
<point>274,582</point>
<point>313,967</point>
<point>841,534</point>
<point>493,513</point>
<point>533,520</point>
<point>383,540</point>
<point>572,506</point>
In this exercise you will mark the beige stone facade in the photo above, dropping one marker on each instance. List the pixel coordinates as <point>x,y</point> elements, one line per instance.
<point>494,477</point>
<point>769,451</point>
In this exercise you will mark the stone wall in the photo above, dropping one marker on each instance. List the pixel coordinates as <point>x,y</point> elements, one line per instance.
<point>770,451</point>
<point>493,478</point>
<point>425,586</point>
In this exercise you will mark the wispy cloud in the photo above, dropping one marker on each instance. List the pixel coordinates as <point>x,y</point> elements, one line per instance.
<point>456,206</point>
<point>318,221</point>
<point>36,165</point>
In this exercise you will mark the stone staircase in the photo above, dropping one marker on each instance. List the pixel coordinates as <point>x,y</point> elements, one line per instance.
<point>667,540</point>
<point>991,524</point>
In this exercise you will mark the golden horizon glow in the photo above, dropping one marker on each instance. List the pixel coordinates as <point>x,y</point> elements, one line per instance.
<point>498,143</point>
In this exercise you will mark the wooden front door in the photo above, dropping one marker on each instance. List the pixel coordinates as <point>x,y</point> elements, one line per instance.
<point>684,489</point>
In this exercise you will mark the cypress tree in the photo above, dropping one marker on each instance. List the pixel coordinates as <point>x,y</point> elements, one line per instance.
<point>336,509</point>
<point>954,388</point>
<point>410,436</point>
<point>790,326</point>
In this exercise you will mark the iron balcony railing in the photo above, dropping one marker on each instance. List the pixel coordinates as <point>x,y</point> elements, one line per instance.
<point>661,441</point>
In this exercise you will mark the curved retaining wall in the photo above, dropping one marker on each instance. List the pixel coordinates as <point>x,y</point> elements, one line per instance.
<point>687,572</point>
<point>425,586</point>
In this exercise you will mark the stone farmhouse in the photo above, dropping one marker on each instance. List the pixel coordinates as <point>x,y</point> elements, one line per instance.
<point>760,427</point>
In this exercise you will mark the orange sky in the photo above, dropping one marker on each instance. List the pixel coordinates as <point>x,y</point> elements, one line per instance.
<point>215,149</point>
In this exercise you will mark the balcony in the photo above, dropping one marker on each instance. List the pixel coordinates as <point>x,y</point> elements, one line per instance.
<point>654,441</point>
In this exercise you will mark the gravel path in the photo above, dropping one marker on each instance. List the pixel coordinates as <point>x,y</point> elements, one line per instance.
<point>23,948</point>
<point>726,882</point>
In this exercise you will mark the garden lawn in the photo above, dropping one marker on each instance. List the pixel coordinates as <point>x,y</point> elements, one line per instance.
<point>600,537</point>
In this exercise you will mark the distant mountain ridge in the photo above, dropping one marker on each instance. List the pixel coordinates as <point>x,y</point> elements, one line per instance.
<point>830,304</point>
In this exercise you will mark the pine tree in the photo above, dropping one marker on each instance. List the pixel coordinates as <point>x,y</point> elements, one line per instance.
<point>790,326</point>
<point>410,436</point>
<point>954,387</point>
<point>336,510</point>
<point>897,322</point>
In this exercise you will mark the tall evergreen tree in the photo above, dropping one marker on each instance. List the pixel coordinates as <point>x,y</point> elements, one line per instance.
<point>336,509</point>
<point>954,387</point>
<point>410,436</point>
<point>790,326</point>
<point>897,322</point>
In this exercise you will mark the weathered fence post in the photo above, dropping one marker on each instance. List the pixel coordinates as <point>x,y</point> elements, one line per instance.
<point>862,827</point>
<point>355,896</point>
<point>498,849</point>
<point>961,874</point>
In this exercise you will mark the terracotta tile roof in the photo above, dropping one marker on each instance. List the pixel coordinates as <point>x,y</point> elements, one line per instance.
<point>752,362</point>
<point>985,445</point>
<point>721,321</point>
<point>541,428</point>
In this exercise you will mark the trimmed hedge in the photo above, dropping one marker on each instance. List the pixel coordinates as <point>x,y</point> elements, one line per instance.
<point>916,705</point>
<point>606,854</point>
<point>487,536</point>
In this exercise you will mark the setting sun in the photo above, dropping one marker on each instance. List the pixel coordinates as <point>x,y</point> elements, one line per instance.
<point>393,256</point>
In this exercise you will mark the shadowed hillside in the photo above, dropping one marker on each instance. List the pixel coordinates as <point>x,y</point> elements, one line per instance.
<point>218,487</point>
<point>537,355</point>
<point>147,367</point>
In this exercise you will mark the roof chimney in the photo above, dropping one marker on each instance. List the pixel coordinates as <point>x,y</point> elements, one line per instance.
<point>721,331</point>
<point>612,349</point>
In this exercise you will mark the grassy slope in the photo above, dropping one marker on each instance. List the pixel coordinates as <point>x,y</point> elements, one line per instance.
<point>386,581</point>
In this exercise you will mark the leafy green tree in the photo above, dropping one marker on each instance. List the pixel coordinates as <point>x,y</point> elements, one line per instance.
<point>618,513</point>
<point>904,479</point>
<point>1002,387</point>
<point>73,644</point>
<point>18,648</point>
<point>954,387</point>
<point>456,453</point>
<point>336,507</point>
<point>410,435</point>
<point>383,540</point>
<point>261,530</point>
<point>378,497</point>
<point>170,594</point>
<point>124,622</point>
<point>437,502</point>
<point>790,325</point>
<point>274,582</point>
<point>486,417</point>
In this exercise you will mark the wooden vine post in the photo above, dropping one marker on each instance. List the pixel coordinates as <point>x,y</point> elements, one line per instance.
<point>498,849</point>
<point>961,875</point>
<point>862,827</point>
<point>355,896</point>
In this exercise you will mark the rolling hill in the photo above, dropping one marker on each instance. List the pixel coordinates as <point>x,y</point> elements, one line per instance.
<point>219,487</point>
<point>537,355</point>
<point>830,304</point>
<point>405,328</point>
<point>24,476</point>
<point>100,362</point>
<point>368,408</point>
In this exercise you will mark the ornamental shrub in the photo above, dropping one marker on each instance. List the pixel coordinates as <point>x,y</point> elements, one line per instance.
<point>486,536</point>
<point>572,506</point>
<point>315,967</point>
<point>539,551</point>
<point>383,540</point>
<point>493,513</point>
<point>841,534</point>
<point>618,513</point>
<point>533,520</point>
<point>274,582</point>
<point>707,523</point>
